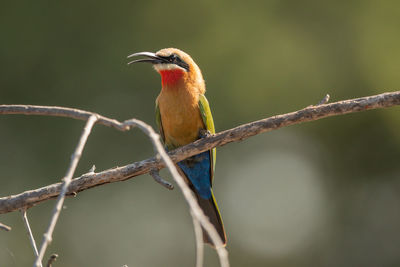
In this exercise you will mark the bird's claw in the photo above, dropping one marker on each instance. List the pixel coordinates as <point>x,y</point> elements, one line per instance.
<point>204,133</point>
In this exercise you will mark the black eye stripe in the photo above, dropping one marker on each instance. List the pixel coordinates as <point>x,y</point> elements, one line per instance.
<point>175,59</point>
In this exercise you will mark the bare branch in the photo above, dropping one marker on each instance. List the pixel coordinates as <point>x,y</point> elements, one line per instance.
<point>29,231</point>
<point>5,227</point>
<point>32,197</point>
<point>60,112</point>
<point>47,237</point>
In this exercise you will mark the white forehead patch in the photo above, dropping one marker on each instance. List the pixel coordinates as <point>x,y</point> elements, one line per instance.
<point>160,67</point>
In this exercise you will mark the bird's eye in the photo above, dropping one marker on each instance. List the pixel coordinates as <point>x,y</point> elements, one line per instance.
<point>175,58</point>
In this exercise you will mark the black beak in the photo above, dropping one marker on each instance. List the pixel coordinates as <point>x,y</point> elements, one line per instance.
<point>151,58</point>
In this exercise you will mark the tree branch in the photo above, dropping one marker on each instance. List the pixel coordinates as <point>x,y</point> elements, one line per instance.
<point>32,197</point>
<point>60,112</point>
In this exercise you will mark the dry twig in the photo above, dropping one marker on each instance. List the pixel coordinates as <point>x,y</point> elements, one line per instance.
<point>156,176</point>
<point>198,232</point>
<point>5,227</point>
<point>29,231</point>
<point>47,237</point>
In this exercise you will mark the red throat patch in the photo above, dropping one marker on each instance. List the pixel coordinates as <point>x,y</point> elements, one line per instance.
<point>170,77</point>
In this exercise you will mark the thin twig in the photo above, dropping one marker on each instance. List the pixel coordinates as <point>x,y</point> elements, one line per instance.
<point>32,197</point>
<point>29,231</point>
<point>52,259</point>
<point>195,209</point>
<point>47,237</point>
<point>156,176</point>
<point>5,227</point>
<point>198,233</point>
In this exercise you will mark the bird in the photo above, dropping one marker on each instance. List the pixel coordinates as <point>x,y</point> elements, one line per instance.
<point>183,115</point>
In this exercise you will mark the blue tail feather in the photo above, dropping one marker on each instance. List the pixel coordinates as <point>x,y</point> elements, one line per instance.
<point>198,170</point>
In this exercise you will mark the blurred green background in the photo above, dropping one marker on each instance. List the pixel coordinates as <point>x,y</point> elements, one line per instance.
<point>325,193</point>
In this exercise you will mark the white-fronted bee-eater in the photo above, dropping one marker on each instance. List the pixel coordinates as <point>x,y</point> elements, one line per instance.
<point>183,115</point>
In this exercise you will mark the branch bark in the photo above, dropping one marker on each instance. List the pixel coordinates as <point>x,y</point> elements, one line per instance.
<point>32,197</point>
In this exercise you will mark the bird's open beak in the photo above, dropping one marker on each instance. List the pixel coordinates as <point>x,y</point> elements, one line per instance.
<point>150,58</point>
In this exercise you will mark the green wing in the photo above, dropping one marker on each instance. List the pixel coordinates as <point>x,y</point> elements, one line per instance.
<point>208,121</point>
<point>158,122</point>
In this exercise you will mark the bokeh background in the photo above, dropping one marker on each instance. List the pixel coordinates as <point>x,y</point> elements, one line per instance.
<point>325,193</point>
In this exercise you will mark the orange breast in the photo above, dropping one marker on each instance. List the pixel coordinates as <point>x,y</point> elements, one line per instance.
<point>180,116</point>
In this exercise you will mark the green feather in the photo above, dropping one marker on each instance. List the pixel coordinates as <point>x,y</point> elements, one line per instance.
<point>158,122</point>
<point>208,121</point>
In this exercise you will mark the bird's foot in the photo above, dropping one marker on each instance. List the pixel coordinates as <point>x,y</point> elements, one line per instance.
<point>204,133</point>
